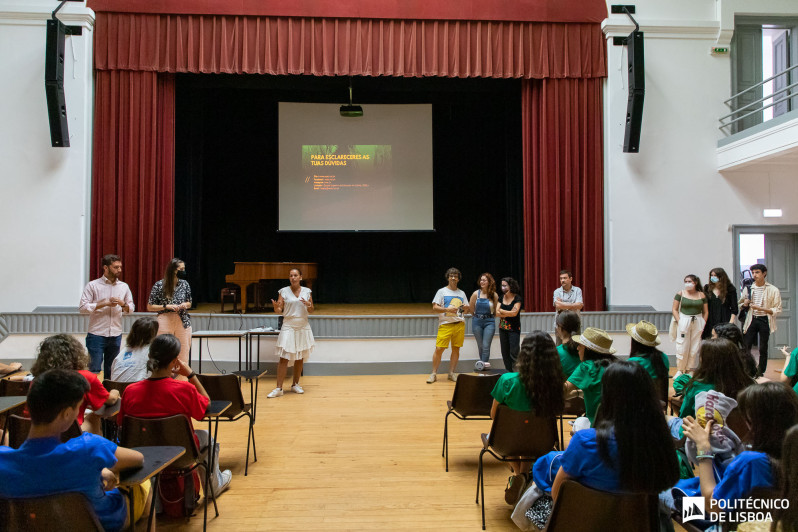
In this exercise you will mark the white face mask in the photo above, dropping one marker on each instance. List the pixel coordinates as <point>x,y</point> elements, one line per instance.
<point>505,289</point>
<point>689,286</point>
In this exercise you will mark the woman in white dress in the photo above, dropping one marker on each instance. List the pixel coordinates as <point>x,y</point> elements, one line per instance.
<point>295,342</point>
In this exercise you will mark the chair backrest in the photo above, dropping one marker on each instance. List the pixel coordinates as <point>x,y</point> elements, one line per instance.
<point>173,430</point>
<point>523,434</point>
<point>19,427</point>
<point>575,406</point>
<point>579,508</point>
<point>224,388</point>
<point>10,388</point>
<point>63,511</point>
<point>116,385</point>
<point>472,394</point>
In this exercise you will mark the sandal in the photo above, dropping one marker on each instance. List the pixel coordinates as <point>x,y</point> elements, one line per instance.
<point>515,487</point>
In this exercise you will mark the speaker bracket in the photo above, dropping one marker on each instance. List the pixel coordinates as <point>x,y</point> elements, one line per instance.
<point>621,9</point>
<point>619,41</point>
<point>73,30</point>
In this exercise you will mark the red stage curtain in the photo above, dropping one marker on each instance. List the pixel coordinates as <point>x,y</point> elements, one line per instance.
<point>344,47</point>
<point>563,189</point>
<point>133,185</point>
<point>526,10</point>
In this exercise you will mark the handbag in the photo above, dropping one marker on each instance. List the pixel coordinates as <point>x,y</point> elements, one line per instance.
<point>673,330</point>
<point>532,509</point>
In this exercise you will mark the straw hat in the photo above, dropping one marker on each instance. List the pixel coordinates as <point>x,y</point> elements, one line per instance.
<point>596,340</point>
<point>644,332</point>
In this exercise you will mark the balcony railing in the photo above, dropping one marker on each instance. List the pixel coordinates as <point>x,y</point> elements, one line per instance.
<point>734,121</point>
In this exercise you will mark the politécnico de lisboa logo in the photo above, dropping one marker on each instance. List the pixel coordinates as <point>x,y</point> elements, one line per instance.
<point>693,508</point>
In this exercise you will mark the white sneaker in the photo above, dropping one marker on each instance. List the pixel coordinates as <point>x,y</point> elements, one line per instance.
<point>677,375</point>
<point>296,388</point>
<point>453,377</point>
<point>432,377</point>
<point>486,365</point>
<point>225,477</point>
<point>277,392</point>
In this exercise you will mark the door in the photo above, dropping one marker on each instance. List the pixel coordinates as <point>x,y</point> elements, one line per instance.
<point>747,72</point>
<point>781,61</point>
<point>780,259</point>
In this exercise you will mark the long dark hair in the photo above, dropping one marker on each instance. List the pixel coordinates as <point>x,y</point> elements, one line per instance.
<point>722,285</point>
<point>163,350</point>
<point>787,518</point>
<point>142,332</point>
<point>170,278</point>
<point>770,408</point>
<point>601,359</point>
<point>721,367</point>
<point>539,368</point>
<point>570,322</point>
<point>653,354</point>
<point>631,411</point>
<point>732,333</point>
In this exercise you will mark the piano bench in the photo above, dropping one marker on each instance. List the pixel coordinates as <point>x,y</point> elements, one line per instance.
<point>230,294</point>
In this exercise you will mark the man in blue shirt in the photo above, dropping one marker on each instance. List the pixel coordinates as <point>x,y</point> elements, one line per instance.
<point>88,464</point>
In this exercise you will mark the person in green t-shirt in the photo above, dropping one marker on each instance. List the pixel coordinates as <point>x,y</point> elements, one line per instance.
<point>536,387</point>
<point>568,325</point>
<point>644,351</point>
<point>720,369</point>
<point>789,374</point>
<point>596,352</point>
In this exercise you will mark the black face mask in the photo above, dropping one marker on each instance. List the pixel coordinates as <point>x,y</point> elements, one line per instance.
<point>181,274</point>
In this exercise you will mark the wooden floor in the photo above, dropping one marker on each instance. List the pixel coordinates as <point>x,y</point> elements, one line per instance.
<point>356,453</point>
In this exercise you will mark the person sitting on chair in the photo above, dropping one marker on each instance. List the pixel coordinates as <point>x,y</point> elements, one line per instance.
<point>88,464</point>
<point>161,396</point>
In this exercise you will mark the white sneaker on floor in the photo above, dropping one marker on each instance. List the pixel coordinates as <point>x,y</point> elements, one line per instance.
<point>453,377</point>
<point>486,365</point>
<point>677,375</point>
<point>277,392</point>
<point>296,388</point>
<point>432,377</point>
<point>226,478</point>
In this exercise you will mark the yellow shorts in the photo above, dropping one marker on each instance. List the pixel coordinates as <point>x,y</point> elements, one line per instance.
<point>139,493</point>
<point>454,332</point>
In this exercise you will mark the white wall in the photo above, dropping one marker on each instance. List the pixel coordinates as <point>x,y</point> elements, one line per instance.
<point>45,198</point>
<point>668,209</point>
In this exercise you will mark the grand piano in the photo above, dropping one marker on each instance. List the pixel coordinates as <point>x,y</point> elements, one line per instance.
<point>247,273</point>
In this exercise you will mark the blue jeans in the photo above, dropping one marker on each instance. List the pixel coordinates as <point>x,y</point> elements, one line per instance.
<point>483,329</point>
<point>102,351</point>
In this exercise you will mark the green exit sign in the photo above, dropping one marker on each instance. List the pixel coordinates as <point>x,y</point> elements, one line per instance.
<point>720,50</point>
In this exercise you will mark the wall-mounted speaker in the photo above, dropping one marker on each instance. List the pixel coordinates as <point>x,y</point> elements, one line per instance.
<point>54,57</point>
<point>634,120</point>
<point>56,111</point>
<point>635,61</point>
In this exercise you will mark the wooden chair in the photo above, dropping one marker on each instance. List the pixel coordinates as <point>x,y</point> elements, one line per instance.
<point>228,388</point>
<point>736,422</point>
<point>582,509</point>
<point>231,295</point>
<point>173,430</point>
<point>19,427</point>
<point>515,436</point>
<point>574,407</point>
<point>13,388</point>
<point>471,400</point>
<point>109,426</point>
<point>63,511</point>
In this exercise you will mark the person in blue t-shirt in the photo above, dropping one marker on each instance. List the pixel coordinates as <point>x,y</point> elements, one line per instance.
<point>88,464</point>
<point>630,448</point>
<point>771,409</point>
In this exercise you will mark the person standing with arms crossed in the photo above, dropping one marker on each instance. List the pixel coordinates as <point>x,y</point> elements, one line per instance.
<point>104,300</point>
<point>764,301</point>
<point>450,303</point>
<point>566,297</point>
<point>170,297</point>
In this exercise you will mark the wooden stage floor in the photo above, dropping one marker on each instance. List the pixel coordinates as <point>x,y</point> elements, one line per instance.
<point>343,309</point>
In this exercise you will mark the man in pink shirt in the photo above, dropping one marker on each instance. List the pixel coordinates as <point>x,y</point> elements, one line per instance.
<point>104,300</point>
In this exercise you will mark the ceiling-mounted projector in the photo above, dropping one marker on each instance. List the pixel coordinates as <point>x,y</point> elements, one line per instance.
<point>351,110</point>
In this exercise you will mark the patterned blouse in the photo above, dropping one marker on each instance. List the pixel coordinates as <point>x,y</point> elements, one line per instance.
<point>182,295</point>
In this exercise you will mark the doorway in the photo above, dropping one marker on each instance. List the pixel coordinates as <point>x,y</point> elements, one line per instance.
<point>776,248</point>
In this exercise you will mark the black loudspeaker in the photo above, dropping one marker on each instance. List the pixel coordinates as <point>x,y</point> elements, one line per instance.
<point>637,69</point>
<point>56,110</point>
<point>634,120</point>
<point>54,58</point>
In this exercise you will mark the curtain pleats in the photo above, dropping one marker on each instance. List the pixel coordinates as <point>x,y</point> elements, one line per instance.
<point>133,185</point>
<point>348,47</point>
<point>563,189</point>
